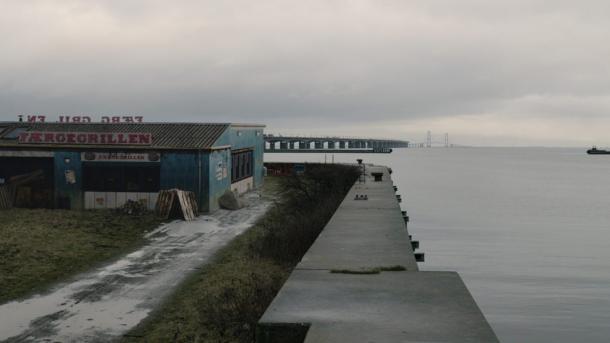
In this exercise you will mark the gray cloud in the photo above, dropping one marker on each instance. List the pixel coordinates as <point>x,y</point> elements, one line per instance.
<point>315,65</point>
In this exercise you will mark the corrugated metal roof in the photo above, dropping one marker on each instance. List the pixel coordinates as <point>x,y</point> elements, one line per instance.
<point>164,135</point>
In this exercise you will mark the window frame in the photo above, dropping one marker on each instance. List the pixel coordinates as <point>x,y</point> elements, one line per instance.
<point>242,166</point>
<point>96,175</point>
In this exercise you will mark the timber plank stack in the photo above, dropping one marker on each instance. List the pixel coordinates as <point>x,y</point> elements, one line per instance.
<point>7,191</point>
<point>6,197</point>
<point>173,202</point>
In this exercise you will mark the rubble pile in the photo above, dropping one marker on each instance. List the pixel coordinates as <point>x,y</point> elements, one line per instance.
<point>132,208</point>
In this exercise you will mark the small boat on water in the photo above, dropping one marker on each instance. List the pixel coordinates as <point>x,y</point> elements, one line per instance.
<point>596,151</point>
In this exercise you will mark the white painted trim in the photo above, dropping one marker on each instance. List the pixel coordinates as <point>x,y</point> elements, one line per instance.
<point>242,186</point>
<point>247,126</point>
<point>26,153</point>
<point>109,200</point>
<point>220,147</point>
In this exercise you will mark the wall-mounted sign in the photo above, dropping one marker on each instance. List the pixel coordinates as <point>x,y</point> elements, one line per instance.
<point>70,177</point>
<point>120,157</point>
<point>85,138</point>
<point>81,119</point>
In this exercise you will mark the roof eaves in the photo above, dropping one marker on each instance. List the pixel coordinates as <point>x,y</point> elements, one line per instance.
<point>105,147</point>
<point>247,125</point>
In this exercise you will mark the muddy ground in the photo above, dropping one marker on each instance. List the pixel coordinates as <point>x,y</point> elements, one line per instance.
<point>104,303</point>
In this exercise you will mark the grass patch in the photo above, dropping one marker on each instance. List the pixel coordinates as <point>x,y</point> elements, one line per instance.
<point>377,270</point>
<point>355,271</point>
<point>396,268</point>
<point>39,247</point>
<point>223,301</point>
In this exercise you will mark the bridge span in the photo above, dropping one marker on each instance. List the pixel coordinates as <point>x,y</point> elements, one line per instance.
<point>278,143</point>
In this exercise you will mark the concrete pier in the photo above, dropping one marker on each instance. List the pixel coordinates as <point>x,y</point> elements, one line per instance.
<point>307,149</point>
<point>331,144</point>
<point>339,292</point>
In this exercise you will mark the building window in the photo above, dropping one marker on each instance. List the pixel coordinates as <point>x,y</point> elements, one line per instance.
<point>118,178</point>
<point>241,165</point>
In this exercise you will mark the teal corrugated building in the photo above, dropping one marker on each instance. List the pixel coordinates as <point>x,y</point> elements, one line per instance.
<point>95,165</point>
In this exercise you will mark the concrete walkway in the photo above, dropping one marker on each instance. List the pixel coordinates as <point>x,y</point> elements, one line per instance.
<point>317,304</point>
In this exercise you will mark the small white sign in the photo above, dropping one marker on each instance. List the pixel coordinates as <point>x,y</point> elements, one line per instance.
<point>120,157</point>
<point>70,177</point>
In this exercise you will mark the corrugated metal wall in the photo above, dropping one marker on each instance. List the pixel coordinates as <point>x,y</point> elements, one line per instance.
<point>219,176</point>
<point>180,170</point>
<point>208,174</point>
<point>248,138</point>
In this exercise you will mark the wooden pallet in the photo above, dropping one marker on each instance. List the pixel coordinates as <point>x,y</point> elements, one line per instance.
<point>177,203</point>
<point>7,192</point>
<point>6,197</point>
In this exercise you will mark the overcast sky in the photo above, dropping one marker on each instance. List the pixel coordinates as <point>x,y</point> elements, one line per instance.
<point>489,72</point>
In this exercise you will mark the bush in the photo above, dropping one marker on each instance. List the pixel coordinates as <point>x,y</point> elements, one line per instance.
<point>224,301</point>
<point>230,306</point>
<point>308,204</point>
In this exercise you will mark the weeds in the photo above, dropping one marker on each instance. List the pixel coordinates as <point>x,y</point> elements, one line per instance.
<point>396,268</point>
<point>377,270</point>
<point>355,271</point>
<point>223,302</point>
<point>308,204</point>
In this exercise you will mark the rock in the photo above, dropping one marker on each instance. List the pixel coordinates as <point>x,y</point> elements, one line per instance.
<point>230,201</point>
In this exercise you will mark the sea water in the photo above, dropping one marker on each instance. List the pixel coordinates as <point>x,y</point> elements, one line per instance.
<point>528,230</point>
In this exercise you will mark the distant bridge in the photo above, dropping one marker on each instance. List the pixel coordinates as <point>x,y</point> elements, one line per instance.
<point>278,143</point>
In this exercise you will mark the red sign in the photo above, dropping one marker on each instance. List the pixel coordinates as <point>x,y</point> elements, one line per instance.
<point>85,138</point>
<point>83,119</point>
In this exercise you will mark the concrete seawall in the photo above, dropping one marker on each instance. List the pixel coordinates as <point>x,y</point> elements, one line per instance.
<point>339,292</point>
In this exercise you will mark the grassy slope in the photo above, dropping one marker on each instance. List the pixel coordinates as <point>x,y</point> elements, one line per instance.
<point>223,302</point>
<point>40,247</point>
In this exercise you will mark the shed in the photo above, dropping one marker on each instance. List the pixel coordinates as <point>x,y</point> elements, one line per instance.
<point>102,165</point>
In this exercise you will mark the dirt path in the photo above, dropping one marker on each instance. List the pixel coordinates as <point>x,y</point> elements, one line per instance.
<point>106,302</point>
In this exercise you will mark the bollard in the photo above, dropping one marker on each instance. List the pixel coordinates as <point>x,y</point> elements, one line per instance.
<point>377,176</point>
